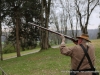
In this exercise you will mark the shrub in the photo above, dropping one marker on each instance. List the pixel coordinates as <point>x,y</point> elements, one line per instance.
<point>8,49</point>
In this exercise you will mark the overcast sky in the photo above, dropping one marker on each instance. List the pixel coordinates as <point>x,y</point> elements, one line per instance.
<point>94,19</point>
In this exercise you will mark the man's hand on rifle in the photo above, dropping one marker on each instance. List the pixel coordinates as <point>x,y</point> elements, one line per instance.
<point>63,39</point>
<point>75,41</point>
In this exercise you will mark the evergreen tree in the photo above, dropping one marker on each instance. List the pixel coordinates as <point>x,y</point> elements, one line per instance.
<point>19,13</point>
<point>2,15</point>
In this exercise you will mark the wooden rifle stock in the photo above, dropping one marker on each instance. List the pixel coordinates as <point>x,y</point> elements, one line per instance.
<point>68,37</point>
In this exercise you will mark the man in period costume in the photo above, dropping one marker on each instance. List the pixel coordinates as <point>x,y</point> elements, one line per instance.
<point>76,53</point>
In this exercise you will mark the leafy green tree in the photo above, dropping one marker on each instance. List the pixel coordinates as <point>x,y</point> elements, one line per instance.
<point>20,12</point>
<point>2,2</point>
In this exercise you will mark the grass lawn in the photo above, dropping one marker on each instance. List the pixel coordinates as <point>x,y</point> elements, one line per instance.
<point>13,55</point>
<point>48,62</point>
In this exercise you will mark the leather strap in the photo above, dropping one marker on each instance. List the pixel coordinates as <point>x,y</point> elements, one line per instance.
<point>81,60</point>
<point>87,55</point>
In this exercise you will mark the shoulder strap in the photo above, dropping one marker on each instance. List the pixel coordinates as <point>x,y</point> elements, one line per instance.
<point>81,60</point>
<point>85,51</point>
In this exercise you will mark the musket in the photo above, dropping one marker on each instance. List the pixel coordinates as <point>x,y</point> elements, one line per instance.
<point>68,37</point>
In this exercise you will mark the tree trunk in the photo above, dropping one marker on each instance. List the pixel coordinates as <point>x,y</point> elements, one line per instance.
<point>44,38</point>
<point>76,26</point>
<point>1,57</point>
<point>17,36</point>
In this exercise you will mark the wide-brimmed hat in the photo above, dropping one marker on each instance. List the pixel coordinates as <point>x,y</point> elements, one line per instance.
<point>84,36</point>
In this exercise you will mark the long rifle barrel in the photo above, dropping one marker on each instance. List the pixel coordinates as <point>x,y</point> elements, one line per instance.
<point>74,40</point>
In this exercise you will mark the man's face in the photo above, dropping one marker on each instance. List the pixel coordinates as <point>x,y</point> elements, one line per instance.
<point>80,40</point>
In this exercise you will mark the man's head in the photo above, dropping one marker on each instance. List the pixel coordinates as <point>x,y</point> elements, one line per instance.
<point>83,38</point>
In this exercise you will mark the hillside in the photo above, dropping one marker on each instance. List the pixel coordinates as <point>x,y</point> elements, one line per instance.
<point>92,33</point>
<point>48,62</point>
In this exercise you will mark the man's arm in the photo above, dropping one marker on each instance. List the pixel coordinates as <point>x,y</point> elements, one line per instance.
<point>65,50</point>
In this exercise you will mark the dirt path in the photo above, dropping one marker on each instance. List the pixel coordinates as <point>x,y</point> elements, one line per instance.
<point>22,54</point>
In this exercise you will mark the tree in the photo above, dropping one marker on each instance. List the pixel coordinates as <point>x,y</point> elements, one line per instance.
<point>84,10</point>
<point>58,20</point>
<point>1,58</point>
<point>14,13</point>
<point>19,12</point>
<point>69,18</point>
<point>54,20</point>
<point>44,21</point>
<point>98,32</point>
<point>1,19</point>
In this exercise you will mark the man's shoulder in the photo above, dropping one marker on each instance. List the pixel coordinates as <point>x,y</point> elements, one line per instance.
<point>76,47</point>
<point>90,45</point>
